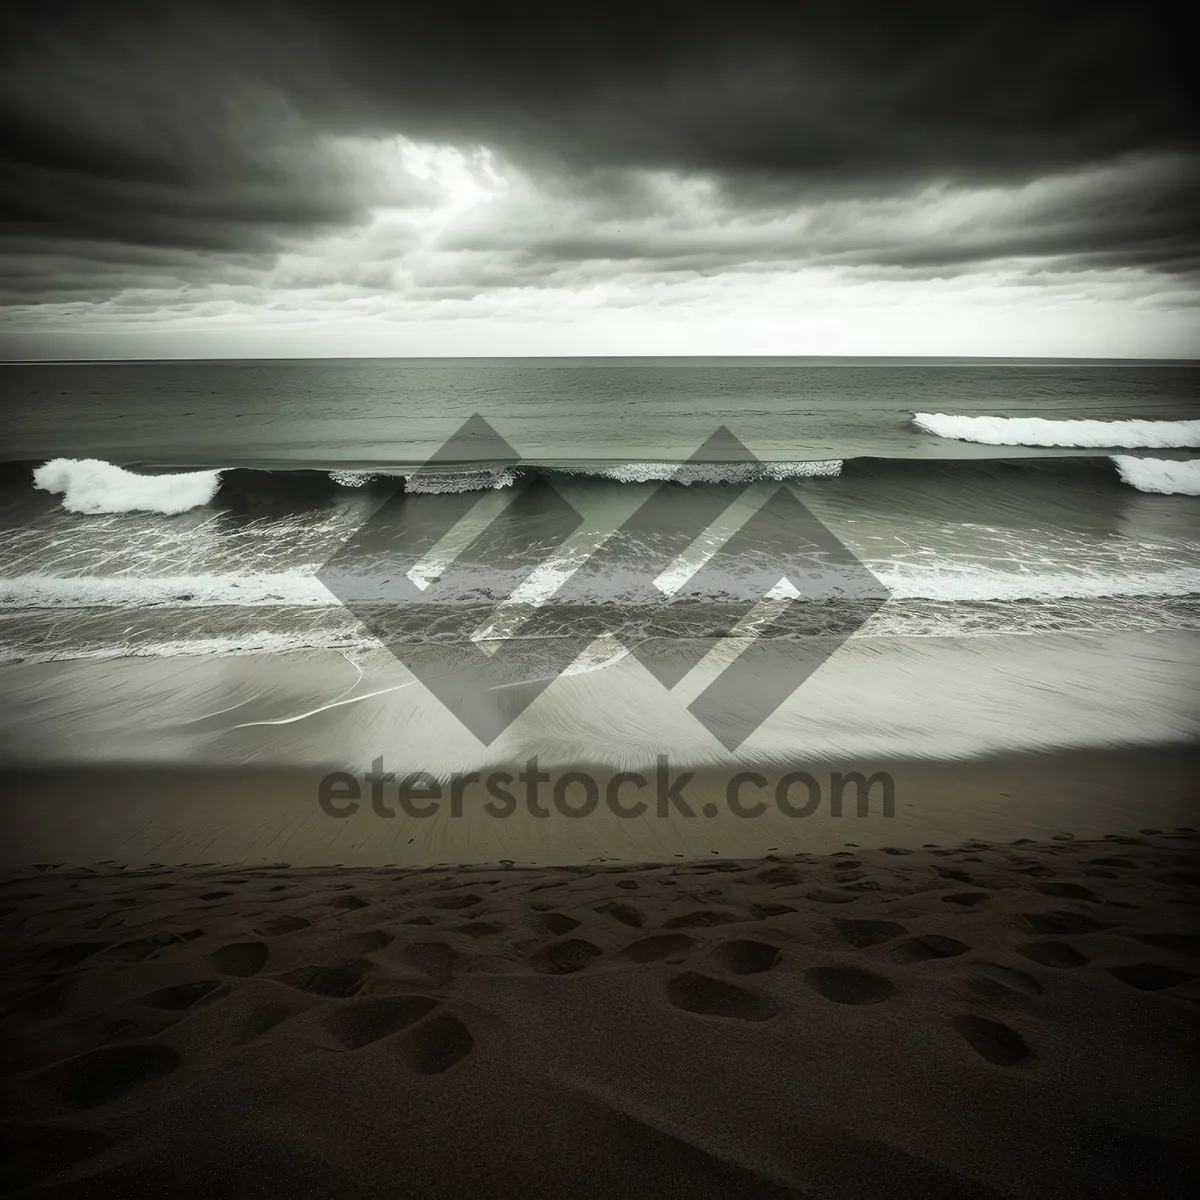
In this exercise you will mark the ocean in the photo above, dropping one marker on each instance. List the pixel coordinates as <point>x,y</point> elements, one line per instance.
<point>966,536</point>
<point>188,510</point>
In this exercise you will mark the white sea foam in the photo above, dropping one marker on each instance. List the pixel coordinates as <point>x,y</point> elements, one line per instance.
<point>951,581</point>
<point>1039,431</point>
<point>946,581</point>
<point>89,485</point>
<point>175,591</point>
<point>251,642</point>
<point>688,473</point>
<point>474,480</point>
<point>1160,474</point>
<point>483,478</point>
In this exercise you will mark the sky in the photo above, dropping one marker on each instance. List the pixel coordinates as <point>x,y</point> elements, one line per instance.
<point>262,179</point>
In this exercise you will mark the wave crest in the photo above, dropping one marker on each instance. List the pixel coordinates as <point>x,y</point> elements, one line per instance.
<point>90,485</point>
<point>1041,431</point>
<point>1163,475</point>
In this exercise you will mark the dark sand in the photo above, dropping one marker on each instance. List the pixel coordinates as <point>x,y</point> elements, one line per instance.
<point>969,1021</point>
<point>143,815</point>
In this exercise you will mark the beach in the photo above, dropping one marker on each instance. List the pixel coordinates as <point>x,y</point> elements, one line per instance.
<point>974,1020</point>
<point>598,609</point>
<point>977,977</point>
<point>814,819</point>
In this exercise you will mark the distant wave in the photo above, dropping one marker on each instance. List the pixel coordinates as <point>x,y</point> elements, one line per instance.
<point>688,473</point>
<point>1163,475</point>
<point>482,478</point>
<point>89,485</point>
<point>1039,431</point>
<point>477,479</point>
<point>92,486</point>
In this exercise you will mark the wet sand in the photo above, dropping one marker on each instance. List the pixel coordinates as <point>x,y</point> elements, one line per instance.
<point>211,986</point>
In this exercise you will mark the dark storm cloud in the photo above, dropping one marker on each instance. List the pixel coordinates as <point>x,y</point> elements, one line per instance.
<point>208,130</point>
<point>880,90</point>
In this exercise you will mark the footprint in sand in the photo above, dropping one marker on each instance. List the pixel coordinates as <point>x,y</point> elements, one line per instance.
<point>100,1076</point>
<point>362,1022</point>
<point>558,923</point>
<point>700,994</point>
<point>347,903</point>
<point>1063,922</point>
<point>565,958</point>
<point>966,899</point>
<point>995,1042</point>
<point>664,946</point>
<point>850,985</point>
<point>259,1017</point>
<point>1150,977</point>
<point>779,876</point>
<point>435,959</point>
<point>69,954</point>
<point>242,959</point>
<point>923,948</point>
<point>278,926</point>
<point>745,957</point>
<point>435,1045</point>
<point>142,948</point>
<point>369,942</point>
<point>479,929</point>
<point>1054,954</point>
<point>454,900</point>
<point>868,933</point>
<point>1068,891</point>
<point>182,996</point>
<point>337,982</point>
<point>991,981</point>
<point>1181,943</point>
<point>625,913</point>
<point>829,896</point>
<point>705,918</point>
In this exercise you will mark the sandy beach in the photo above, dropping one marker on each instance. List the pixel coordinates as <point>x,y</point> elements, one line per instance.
<point>224,976</point>
<point>974,1020</point>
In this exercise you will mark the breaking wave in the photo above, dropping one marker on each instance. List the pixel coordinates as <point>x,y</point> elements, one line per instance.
<point>687,473</point>
<point>482,478</point>
<point>89,485</point>
<point>1163,475</point>
<point>1041,431</point>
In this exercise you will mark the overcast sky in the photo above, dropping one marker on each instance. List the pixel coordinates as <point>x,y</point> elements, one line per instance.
<point>258,178</point>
